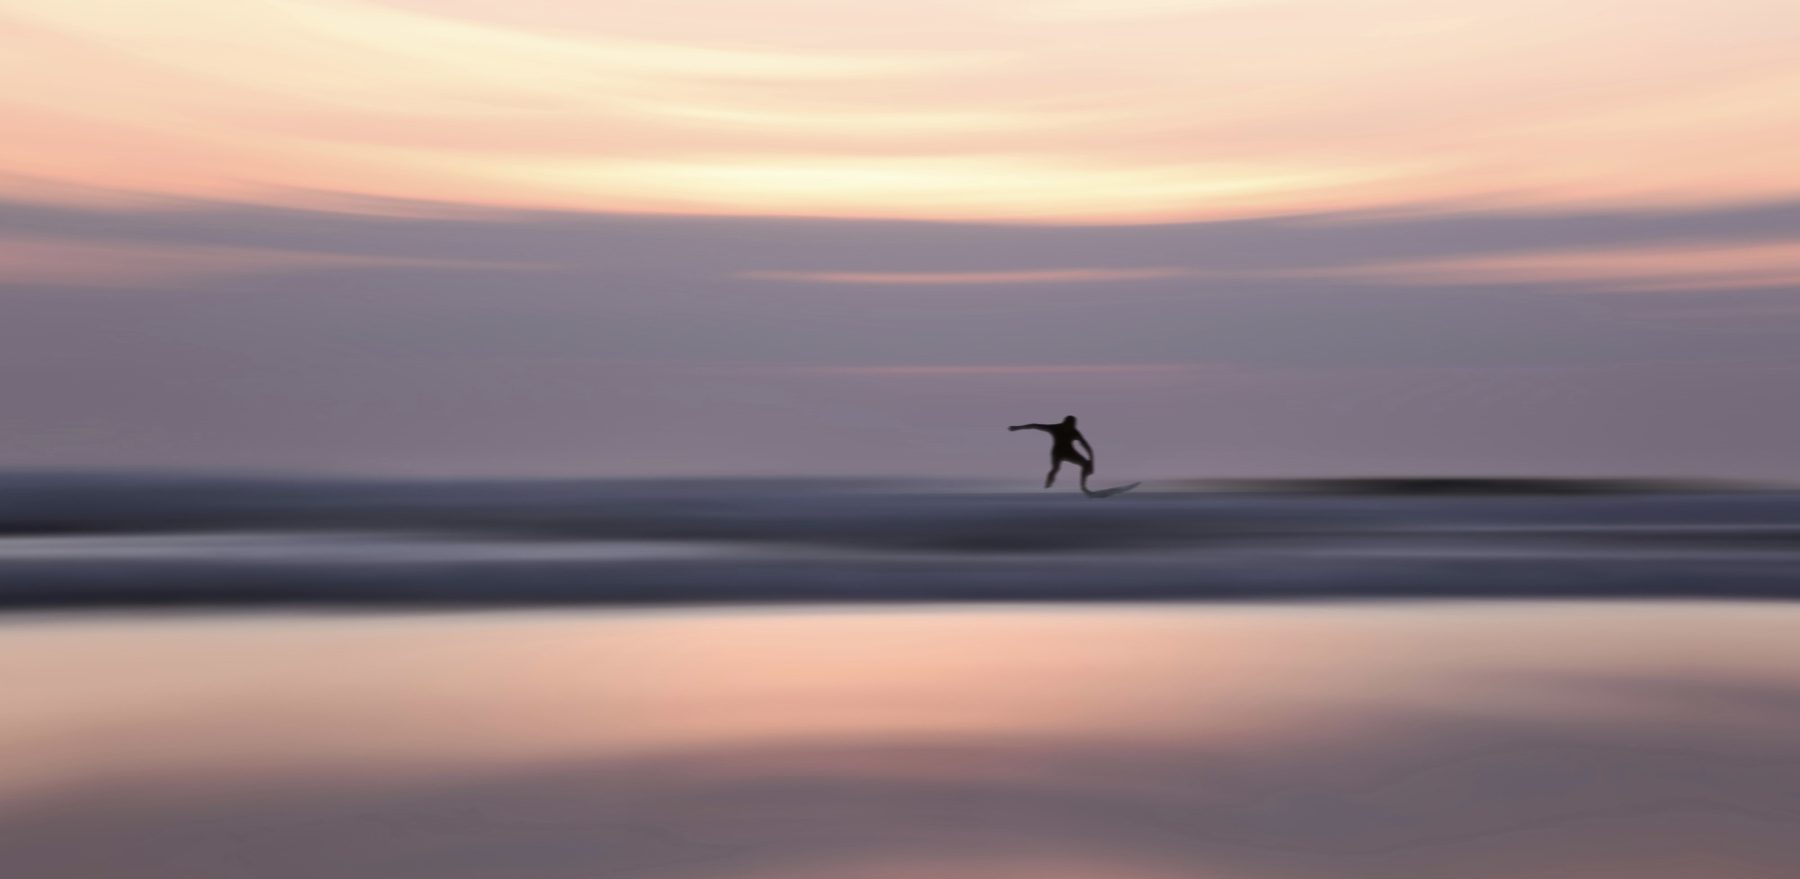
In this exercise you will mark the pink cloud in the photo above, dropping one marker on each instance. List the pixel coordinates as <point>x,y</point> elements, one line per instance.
<point>1020,276</point>
<point>109,264</point>
<point>1019,370</point>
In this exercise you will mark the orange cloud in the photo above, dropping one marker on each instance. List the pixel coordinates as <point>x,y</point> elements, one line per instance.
<point>1641,269</point>
<point>1016,110</point>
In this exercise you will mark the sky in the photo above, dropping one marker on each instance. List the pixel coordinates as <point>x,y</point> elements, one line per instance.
<point>1236,237</point>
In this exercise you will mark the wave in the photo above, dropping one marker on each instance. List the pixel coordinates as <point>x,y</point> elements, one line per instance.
<point>142,541</point>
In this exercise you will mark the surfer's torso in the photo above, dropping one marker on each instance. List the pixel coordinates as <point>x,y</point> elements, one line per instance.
<point>1062,439</point>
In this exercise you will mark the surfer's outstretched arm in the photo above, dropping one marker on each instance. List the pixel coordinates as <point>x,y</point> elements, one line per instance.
<point>1030,427</point>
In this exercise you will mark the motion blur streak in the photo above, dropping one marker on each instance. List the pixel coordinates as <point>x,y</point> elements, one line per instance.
<point>975,109</point>
<point>1238,743</point>
<point>127,265</point>
<point>147,542</point>
<point>1040,276</point>
<point>1694,268</point>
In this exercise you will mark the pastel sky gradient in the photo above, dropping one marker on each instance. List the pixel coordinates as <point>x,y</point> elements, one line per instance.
<point>858,236</point>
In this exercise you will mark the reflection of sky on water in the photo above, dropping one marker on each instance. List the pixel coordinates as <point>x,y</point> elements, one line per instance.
<point>1468,740</point>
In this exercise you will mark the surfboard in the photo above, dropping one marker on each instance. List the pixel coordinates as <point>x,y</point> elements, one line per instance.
<point>1115,490</point>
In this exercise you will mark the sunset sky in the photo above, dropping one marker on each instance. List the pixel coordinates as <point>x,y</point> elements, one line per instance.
<point>1238,237</point>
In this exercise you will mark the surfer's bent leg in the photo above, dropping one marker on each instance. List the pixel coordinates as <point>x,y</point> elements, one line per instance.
<point>1087,469</point>
<point>1055,465</point>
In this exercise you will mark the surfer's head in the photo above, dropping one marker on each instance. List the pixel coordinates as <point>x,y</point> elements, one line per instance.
<point>1069,420</point>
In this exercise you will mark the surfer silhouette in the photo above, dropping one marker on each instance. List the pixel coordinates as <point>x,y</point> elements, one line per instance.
<point>1063,437</point>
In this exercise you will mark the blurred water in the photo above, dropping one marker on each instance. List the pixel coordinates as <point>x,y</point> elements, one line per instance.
<point>1564,741</point>
<point>122,541</point>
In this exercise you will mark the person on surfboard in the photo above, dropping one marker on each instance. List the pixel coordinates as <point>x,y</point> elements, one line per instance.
<point>1064,436</point>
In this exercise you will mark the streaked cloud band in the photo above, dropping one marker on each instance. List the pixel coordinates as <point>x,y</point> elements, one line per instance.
<point>1019,276</point>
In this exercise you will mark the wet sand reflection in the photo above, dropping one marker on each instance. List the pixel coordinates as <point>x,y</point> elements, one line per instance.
<point>1466,740</point>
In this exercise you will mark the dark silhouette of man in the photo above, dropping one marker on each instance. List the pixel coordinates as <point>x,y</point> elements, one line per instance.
<point>1064,436</point>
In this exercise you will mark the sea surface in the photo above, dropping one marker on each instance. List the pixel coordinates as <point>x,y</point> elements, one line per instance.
<point>119,541</point>
<point>1473,739</point>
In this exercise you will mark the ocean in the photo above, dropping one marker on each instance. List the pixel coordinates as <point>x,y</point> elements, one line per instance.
<point>147,541</point>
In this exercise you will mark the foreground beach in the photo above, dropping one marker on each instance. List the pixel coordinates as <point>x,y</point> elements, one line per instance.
<point>1295,741</point>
